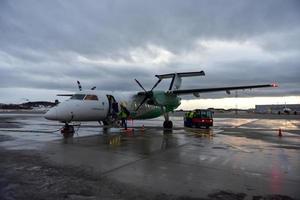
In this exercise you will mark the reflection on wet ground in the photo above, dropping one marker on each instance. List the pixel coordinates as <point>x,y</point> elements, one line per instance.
<point>35,127</point>
<point>231,122</point>
<point>240,155</point>
<point>273,124</point>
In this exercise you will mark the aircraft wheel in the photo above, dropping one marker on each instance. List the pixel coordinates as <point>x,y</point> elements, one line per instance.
<point>67,131</point>
<point>105,123</point>
<point>168,124</point>
<point>68,135</point>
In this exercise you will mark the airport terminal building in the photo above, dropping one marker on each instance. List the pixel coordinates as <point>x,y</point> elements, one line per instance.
<point>277,108</point>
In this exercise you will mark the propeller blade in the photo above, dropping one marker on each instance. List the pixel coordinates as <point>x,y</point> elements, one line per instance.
<point>159,80</point>
<point>79,86</point>
<point>144,100</point>
<point>140,85</point>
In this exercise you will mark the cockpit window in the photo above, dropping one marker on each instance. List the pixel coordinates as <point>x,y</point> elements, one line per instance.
<point>78,96</point>
<point>91,97</point>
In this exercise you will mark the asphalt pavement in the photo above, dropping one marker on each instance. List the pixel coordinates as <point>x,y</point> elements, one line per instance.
<point>239,158</point>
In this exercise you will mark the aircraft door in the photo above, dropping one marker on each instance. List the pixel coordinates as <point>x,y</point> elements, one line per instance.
<point>104,105</point>
<point>113,109</point>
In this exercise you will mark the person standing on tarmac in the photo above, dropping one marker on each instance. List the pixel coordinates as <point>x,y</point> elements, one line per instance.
<point>188,120</point>
<point>123,115</point>
<point>192,113</point>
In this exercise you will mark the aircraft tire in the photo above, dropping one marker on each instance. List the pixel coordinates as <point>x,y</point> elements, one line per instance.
<point>105,123</point>
<point>68,131</point>
<point>168,124</point>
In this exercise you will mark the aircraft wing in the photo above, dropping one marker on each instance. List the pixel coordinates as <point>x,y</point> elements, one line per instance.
<point>227,89</point>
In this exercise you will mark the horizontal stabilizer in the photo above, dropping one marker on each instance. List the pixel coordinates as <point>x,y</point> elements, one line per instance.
<point>182,74</point>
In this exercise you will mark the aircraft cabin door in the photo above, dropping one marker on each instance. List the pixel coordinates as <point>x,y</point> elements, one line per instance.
<point>113,109</point>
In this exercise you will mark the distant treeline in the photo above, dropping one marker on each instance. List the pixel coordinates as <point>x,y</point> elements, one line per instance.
<point>28,105</point>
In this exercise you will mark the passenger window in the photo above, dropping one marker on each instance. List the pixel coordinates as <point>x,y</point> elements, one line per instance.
<point>78,96</point>
<point>91,97</point>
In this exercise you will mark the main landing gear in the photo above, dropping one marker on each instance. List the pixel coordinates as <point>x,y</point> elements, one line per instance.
<point>167,123</point>
<point>67,130</point>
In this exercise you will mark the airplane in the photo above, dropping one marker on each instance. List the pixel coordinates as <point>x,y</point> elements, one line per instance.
<point>286,111</point>
<point>94,105</point>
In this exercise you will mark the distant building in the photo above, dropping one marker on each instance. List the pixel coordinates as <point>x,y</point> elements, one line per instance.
<point>277,108</point>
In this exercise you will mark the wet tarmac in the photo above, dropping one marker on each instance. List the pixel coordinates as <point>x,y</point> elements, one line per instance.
<point>236,159</point>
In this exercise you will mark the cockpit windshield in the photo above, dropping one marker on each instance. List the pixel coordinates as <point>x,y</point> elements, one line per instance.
<point>78,96</point>
<point>91,97</point>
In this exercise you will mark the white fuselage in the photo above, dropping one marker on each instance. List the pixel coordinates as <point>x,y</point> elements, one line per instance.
<point>80,108</point>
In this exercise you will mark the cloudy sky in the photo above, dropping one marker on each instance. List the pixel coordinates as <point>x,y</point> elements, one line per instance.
<point>45,46</point>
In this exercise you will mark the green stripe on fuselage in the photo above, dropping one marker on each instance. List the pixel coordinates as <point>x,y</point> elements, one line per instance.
<point>153,113</point>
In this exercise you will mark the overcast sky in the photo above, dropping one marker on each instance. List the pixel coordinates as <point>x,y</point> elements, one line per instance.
<point>45,46</point>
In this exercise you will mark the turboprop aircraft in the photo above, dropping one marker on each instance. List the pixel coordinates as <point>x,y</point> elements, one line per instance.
<point>93,105</point>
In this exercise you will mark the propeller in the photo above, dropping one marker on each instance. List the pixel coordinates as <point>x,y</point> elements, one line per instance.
<point>148,94</point>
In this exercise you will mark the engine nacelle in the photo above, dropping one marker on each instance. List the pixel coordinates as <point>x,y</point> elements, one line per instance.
<point>162,99</point>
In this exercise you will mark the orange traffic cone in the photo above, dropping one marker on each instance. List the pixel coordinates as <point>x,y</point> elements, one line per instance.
<point>279,133</point>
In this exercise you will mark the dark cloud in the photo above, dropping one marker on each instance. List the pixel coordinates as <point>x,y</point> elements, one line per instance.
<point>51,44</point>
<point>92,27</point>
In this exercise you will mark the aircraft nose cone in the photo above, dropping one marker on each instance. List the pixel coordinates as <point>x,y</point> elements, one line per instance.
<point>51,114</point>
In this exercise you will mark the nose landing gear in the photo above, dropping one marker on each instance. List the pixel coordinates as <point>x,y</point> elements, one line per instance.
<point>67,130</point>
